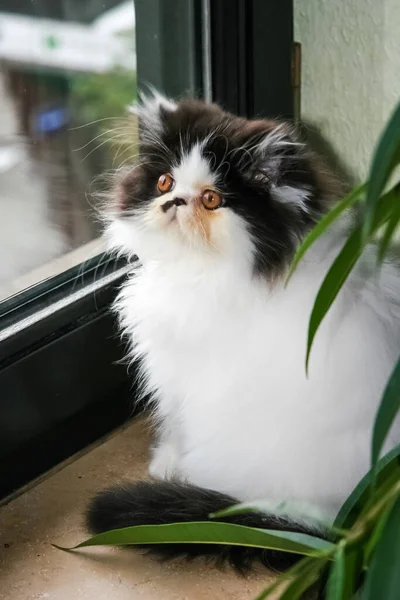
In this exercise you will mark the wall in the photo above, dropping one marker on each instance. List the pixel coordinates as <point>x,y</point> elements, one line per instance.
<point>351,71</point>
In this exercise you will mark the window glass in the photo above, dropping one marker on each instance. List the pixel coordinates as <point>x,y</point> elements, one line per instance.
<point>350,71</point>
<point>67,73</point>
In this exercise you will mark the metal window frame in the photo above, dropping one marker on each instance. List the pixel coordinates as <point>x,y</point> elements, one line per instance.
<point>252,43</point>
<point>59,370</point>
<point>62,385</point>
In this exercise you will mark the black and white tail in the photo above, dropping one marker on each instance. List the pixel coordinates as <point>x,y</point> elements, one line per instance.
<point>162,502</point>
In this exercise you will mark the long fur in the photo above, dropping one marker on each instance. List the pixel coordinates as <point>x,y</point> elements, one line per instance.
<point>221,340</point>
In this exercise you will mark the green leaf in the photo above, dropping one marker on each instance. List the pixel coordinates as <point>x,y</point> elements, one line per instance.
<point>377,533</point>
<point>271,589</point>
<point>336,581</point>
<point>389,232</point>
<point>209,533</point>
<point>388,409</point>
<point>353,569</point>
<point>302,582</point>
<point>324,223</point>
<point>297,571</point>
<point>386,156</point>
<point>383,577</point>
<point>293,511</point>
<point>352,507</point>
<point>342,266</point>
<point>333,282</point>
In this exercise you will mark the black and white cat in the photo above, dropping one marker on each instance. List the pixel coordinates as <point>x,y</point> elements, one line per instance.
<point>215,208</point>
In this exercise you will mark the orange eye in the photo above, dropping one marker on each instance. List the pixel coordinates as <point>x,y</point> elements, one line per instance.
<point>165,183</point>
<point>211,199</point>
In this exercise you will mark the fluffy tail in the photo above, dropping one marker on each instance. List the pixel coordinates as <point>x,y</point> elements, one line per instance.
<point>162,502</point>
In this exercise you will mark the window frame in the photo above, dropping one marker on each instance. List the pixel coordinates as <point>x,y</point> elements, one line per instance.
<point>56,327</point>
<point>257,81</point>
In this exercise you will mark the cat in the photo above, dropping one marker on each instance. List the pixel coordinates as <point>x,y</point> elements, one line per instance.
<point>214,209</point>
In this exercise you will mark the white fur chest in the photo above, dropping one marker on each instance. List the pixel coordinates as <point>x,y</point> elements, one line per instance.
<point>199,339</point>
<point>225,359</point>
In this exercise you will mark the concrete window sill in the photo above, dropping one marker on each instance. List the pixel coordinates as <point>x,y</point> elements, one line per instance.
<point>51,511</point>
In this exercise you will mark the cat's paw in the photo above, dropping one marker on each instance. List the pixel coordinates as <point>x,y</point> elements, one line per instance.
<point>164,463</point>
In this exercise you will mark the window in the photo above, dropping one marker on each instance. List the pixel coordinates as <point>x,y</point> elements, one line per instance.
<point>67,70</point>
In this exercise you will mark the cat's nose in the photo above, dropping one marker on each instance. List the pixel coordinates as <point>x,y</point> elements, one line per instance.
<point>179,201</point>
<point>175,202</point>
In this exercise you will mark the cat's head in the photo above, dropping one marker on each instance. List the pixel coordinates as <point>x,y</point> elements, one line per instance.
<point>208,184</point>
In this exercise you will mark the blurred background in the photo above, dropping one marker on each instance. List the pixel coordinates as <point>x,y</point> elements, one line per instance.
<point>67,72</point>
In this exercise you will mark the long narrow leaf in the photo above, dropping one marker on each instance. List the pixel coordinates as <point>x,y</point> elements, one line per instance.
<point>302,582</point>
<point>342,266</point>
<point>389,232</point>
<point>295,511</point>
<point>383,578</point>
<point>353,569</point>
<point>332,284</point>
<point>351,508</point>
<point>291,574</point>
<point>377,533</point>
<point>386,156</point>
<point>388,409</point>
<point>209,533</point>
<point>274,587</point>
<point>336,581</point>
<point>324,223</point>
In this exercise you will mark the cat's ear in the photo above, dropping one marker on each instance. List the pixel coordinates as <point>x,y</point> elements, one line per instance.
<point>151,109</point>
<point>280,162</point>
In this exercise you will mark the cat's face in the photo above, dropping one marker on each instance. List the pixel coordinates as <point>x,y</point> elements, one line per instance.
<point>210,184</point>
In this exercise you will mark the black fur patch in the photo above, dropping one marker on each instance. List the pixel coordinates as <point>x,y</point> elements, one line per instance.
<point>246,177</point>
<point>161,502</point>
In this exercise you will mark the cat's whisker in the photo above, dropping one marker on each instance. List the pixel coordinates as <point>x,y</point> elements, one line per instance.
<point>98,121</point>
<point>101,134</point>
<point>95,149</point>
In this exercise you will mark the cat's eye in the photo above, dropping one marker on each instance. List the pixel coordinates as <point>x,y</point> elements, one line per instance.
<point>165,183</point>
<point>211,199</point>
